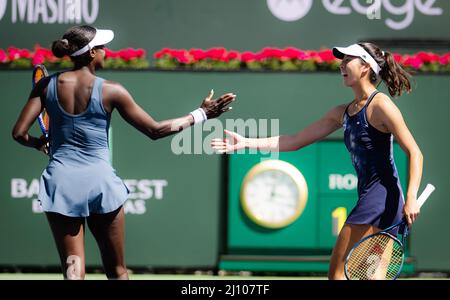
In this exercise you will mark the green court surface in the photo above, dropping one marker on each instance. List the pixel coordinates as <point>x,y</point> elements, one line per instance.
<point>55,276</point>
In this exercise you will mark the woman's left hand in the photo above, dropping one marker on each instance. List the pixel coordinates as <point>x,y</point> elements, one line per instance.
<point>43,144</point>
<point>411,210</point>
<point>215,107</point>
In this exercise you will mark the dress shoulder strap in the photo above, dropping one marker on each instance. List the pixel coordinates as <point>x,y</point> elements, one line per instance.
<point>371,97</point>
<point>97,96</point>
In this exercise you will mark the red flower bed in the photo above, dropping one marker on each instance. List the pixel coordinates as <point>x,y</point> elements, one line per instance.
<point>23,58</point>
<point>288,59</point>
<point>219,58</point>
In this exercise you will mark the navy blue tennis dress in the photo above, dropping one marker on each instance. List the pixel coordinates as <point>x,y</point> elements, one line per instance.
<point>79,179</point>
<point>380,197</point>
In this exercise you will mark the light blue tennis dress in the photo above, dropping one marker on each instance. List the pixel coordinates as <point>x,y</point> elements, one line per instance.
<point>79,179</point>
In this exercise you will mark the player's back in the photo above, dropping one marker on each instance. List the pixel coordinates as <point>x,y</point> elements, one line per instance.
<point>83,130</point>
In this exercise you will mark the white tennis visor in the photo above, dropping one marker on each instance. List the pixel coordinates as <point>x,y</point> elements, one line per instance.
<point>358,51</point>
<point>102,37</point>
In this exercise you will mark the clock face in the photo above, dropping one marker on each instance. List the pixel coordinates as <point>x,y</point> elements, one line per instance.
<point>274,194</point>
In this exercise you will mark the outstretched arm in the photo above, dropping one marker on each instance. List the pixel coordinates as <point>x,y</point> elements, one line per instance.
<point>122,100</point>
<point>318,130</point>
<point>391,117</point>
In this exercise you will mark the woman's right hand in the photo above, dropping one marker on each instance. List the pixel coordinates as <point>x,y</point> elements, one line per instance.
<point>234,142</point>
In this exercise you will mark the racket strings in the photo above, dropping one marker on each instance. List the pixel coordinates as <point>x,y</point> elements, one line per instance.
<point>378,257</point>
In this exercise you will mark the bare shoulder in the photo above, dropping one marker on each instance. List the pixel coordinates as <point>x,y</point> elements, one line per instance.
<point>337,113</point>
<point>340,109</point>
<point>383,112</point>
<point>114,91</point>
<point>113,87</point>
<point>383,103</point>
<point>115,95</point>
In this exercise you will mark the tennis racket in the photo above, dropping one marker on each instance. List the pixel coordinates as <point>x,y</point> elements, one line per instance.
<point>40,72</point>
<point>380,256</point>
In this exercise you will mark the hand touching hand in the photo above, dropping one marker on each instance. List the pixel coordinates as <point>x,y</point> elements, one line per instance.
<point>215,107</point>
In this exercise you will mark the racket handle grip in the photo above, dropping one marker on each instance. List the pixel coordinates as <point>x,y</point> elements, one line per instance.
<point>425,194</point>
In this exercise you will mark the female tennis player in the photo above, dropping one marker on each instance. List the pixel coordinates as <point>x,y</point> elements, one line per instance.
<point>370,122</point>
<point>79,182</point>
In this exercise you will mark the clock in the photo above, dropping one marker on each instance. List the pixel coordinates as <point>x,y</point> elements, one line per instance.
<point>273,194</point>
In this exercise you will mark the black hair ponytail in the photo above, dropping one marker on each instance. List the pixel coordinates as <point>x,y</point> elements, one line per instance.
<point>74,39</point>
<point>396,79</point>
<point>60,48</point>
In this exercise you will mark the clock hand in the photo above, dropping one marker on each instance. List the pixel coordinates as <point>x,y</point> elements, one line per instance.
<point>280,198</point>
<point>272,192</point>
